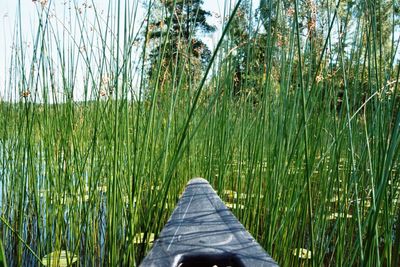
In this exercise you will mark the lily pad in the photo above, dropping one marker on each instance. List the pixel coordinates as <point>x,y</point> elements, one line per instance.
<point>139,238</point>
<point>61,258</point>
<point>302,253</point>
<point>336,215</point>
<point>234,206</point>
<point>230,194</point>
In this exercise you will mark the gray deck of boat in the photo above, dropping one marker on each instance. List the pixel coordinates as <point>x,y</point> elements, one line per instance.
<point>201,226</point>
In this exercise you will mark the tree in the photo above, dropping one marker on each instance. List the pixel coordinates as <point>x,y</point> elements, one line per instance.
<point>239,37</point>
<point>175,43</point>
<point>247,53</point>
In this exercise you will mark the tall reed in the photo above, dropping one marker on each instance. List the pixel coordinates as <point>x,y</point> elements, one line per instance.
<point>95,153</point>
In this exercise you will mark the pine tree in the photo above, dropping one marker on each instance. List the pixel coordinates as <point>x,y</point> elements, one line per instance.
<point>174,39</point>
<point>239,37</point>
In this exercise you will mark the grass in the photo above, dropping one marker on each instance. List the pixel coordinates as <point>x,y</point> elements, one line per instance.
<point>313,156</point>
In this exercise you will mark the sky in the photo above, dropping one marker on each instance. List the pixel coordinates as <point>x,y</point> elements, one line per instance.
<point>29,8</point>
<point>29,11</point>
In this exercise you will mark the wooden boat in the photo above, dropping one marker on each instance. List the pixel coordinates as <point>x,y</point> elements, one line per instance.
<point>202,231</point>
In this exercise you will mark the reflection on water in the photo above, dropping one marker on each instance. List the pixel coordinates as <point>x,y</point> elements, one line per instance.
<point>49,215</point>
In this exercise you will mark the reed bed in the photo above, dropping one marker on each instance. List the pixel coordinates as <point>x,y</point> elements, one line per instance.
<point>307,155</point>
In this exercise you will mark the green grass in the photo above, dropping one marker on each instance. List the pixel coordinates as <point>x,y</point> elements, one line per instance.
<point>309,175</point>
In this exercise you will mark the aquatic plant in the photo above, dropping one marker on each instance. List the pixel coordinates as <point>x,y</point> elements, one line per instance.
<point>297,125</point>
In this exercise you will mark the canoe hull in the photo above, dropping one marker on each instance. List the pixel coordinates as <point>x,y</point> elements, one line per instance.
<point>202,231</point>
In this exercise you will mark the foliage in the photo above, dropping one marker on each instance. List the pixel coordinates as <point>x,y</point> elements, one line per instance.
<point>175,41</point>
<point>314,158</point>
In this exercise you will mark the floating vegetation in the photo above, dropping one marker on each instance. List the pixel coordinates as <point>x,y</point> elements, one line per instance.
<point>84,198</point>
<point>62,258</point>
<point>155,188</point>
<point>365,203</point>
<point>336,215</point>
<point>233,206</point>
<point>230,195</point>
<point>302,253</point>
<point>102,188</point>
<point>334,199</point>
<point>140,238</point>
<point>105,115</point>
